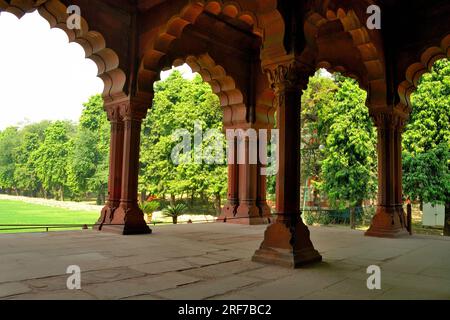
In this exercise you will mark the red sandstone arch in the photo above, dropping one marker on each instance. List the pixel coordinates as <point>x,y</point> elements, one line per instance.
<point>265,15</point>
<point>230,96</point>
<point>92,42</point>
<point>335,22</point>
<point>416,70</point>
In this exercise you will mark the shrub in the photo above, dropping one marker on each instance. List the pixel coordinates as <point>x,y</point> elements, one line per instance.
<point>175,211</point>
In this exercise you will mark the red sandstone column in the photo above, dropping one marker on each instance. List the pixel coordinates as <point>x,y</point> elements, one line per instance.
<point>115,165</point>
<point>247,211</point>
<point>287,241</point>
<point>129,218</point>
<point>389,220</point>
<point>261,197</point>
<point>229,210</point>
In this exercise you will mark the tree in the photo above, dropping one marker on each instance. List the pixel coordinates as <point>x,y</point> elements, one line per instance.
<point>52,157</point>
<point>426,143</point>
<point>348,167</point>
<point>179,104</point>
<point>9,139</point>
<point>88,159</point>
<point>317,99</point>
<point>31,137</point>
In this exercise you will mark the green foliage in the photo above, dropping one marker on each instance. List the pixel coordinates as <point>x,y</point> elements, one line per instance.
<point>174,211</point>
<point>335,116</point>
<point>25,174</point>
<point>89,161</point>
<point>178,104</point>
<point>426,142</point>
<point>8,142</point>
<point>58,158</point>
<point>350,157</point>
<point>51,158</point>
<point>427,175</point>
<point>150,206</point>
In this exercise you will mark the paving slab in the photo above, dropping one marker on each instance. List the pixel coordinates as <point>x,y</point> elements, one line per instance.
<point>213,261</point>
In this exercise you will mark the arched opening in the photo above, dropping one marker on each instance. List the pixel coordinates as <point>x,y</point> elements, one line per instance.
<point>426,150</point>
<point>54,131</point>
<point>183,175</point>
<point>339,157</point>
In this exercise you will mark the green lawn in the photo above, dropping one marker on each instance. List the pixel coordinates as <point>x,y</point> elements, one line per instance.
<point>21,213</point>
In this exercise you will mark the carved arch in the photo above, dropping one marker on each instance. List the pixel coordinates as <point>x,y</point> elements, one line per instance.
<point>334,22</point>
<point>416,70</point>
<point>92,42</point>
<point>230,96</point>
<point>265,16</point>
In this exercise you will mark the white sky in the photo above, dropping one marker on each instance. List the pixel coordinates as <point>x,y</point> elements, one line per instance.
<point>42,75</point>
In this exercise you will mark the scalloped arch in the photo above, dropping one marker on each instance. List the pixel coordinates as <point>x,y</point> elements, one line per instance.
<point>342,21</point>
<point>341,69</point>
<point>416,70</point>
<point>150,65</point>
<point>230,96</point>
<point>92,42</point>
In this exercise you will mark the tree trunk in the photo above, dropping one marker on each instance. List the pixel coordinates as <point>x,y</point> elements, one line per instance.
<point>143,196</point>
<point>352,218</point>
<point>172,199</point>
<point>218,204</point>
<point>61,190</point>
<point>447,220</point>
<point>175,219</point>
<point>192,198</point>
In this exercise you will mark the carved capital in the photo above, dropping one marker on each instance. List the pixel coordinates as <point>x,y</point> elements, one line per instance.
<point>290,75</point>
<point>389,121</point>
<point>134,109</point>
<point>113,112</point>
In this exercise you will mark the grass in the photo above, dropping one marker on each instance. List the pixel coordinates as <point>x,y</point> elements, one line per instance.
<point>21,213</point>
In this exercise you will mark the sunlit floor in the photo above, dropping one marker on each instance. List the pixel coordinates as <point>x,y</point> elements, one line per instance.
<point>212,261</point>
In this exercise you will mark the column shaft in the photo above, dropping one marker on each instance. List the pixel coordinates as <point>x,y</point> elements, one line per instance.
<point>287,241</point>
<point>389,220</point>
<point>129,218</point>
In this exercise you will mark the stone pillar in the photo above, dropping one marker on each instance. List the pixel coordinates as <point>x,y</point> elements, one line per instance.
<point>248,212</point>
<point>389,220</point>
<point>287,241</point>
<point>261,192</point>
<point>229,210</point>
<point>246,202</point>
<point>115,165</point>
<point>129,218</point>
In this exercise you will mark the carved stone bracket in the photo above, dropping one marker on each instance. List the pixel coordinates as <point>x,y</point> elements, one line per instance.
<point>290,75</point>
<point>134,109</point>
<point>389,120</point>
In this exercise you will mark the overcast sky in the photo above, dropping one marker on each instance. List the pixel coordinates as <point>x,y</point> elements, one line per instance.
<point>42,75</point>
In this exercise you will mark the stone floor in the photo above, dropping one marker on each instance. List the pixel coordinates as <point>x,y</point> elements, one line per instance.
<point>212,261</point>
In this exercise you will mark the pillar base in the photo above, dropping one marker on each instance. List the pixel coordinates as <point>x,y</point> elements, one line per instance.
<point>127,220</point>
<point>287,246</point>
<point>245,214</point>
<point>228,212</point>
<point>388,222</point>
<point>105,216</point>
<point>265,211</point>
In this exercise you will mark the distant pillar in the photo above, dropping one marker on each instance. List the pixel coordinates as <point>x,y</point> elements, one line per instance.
<point>229,210</point>
<point>287,241</point>
<point>115,165</point>
<point>246,203</point>
<point>390,219</point>
<point>128,218</point>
